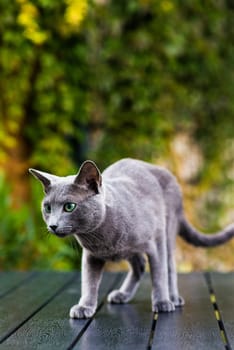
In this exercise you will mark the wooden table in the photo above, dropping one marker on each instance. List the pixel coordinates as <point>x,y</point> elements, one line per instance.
<point>34,308</point>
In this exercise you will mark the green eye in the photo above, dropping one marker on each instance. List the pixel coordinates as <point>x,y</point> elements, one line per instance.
<point>69,207</point>
<point>47,208</point>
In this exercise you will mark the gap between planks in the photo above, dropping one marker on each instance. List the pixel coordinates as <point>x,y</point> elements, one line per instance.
<point>217,312</point>
<point>39,308</point>
<point>79,335</point>
<point>155,317</point>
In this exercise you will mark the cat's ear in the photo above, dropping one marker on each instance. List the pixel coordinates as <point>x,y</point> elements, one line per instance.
<point>45,178</point>
<point>89,176</point>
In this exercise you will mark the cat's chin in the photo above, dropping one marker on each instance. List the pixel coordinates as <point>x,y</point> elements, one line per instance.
<point>63,234</point>
<point>60,235</point>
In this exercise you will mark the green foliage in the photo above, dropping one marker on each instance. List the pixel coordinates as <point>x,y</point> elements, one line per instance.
<point>115,79</point>
<point>24,241</point>
<point>160,67</point>
<point>39,87</point>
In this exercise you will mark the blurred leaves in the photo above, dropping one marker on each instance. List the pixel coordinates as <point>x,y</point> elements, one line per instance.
<point>107,79</point>
<point>28,19</point>
<point>24,241</point>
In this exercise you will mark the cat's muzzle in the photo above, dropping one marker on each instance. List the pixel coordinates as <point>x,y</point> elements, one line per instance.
<point>65,231</point>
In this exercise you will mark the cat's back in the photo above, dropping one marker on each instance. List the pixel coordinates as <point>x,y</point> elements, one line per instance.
<point>138,171</point>
<point>126,167</point>
<point>132,177</point>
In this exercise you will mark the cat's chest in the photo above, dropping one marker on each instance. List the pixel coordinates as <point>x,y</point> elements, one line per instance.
<point>104,248</point>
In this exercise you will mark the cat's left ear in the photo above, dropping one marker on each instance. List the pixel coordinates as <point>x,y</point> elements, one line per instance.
<point>89,176</point>
<point>45,178</point>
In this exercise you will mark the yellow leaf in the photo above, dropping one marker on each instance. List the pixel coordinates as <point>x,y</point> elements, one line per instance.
<point>75,12</point>
<point>28,19</point>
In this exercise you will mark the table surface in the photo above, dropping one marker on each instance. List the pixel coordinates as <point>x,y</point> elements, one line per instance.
<point>34,309</point>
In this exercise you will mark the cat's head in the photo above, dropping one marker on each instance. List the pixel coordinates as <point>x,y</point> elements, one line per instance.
<point>72,204</point>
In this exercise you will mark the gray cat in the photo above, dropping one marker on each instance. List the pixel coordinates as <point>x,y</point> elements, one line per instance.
<point>133,208</point>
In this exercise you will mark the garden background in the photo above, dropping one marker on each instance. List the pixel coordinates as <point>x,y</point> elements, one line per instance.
<point>105,79</point>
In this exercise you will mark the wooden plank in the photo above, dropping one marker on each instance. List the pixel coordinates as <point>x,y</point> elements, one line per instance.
<point>51,328</point>
<point>114,327</point>
<point>223,285</point>
<point>193,326</point>
<point>17,307</point>
<point>11,280</point>
<point>124,326</point>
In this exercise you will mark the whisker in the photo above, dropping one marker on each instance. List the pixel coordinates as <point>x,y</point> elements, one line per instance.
<point>91,239</point>
<point>45,233</point>
<point>74,245</point>
<point>67,229</point>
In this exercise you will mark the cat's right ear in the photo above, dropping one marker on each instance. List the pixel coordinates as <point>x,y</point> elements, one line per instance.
<point>89,176</point>
<point>45,178</point>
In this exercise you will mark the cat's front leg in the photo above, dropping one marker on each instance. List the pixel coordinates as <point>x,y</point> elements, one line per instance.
<point>91,274</point>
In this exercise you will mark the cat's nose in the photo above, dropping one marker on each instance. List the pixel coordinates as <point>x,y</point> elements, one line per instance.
<point>53,227</point>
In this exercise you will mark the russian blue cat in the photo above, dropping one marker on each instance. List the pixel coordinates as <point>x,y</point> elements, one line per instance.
<point>134,209</point>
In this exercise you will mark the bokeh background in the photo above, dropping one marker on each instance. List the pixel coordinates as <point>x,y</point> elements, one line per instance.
<point>106,79</point>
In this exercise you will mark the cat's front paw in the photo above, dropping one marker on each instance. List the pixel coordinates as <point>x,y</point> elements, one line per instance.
<point>78,311</point>
<point>163,306</point>
<point>118,297</point>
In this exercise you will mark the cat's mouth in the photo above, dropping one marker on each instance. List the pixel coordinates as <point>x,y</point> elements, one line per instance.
<point>61,232</point>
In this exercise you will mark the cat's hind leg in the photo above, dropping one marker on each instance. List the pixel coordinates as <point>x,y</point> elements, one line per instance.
<point>157,255</point>
<point>131,282</point>
<point>172,229</point>
<point>173,287</point>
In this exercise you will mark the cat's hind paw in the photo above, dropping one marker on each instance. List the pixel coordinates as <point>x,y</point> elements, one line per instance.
<point>178,301</point>
<point>163,306</point>
<point>118,297</point>
<point>78,311</point>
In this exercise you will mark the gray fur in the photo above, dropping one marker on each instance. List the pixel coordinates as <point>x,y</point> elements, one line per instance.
<point>133,208</point>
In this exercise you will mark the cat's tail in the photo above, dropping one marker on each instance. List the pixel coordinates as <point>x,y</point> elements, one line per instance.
<point>199,239</point>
